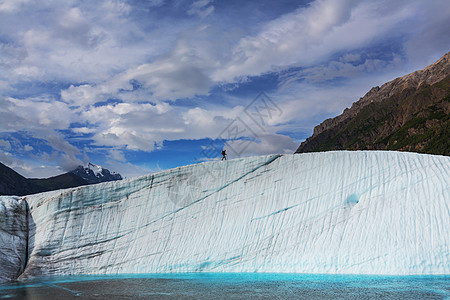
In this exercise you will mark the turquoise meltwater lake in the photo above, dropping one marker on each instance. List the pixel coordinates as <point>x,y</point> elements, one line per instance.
<point>230,286</point>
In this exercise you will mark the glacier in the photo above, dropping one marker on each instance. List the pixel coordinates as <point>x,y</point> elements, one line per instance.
<point>339,212</point>
<point>13,237</point>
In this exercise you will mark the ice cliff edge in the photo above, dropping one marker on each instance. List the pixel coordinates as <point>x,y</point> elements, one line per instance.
<point>361,212</point>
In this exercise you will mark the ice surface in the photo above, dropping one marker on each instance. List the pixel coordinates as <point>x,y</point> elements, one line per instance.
<point>362,212</point>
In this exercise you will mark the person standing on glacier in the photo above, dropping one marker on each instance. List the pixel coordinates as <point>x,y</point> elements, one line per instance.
<point>224,154</point>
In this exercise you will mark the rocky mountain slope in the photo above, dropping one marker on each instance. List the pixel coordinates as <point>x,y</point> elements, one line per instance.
<point>95,174</point>
<point>411,113</point>
<point>12,183</point>
<point>354,212</point>
<point>63,181</point>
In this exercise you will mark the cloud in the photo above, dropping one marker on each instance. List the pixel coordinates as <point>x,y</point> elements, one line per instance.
<point>5,145</point>
<point>117,155</point>
<point>84,94</point>
<point>155,3</point>
<point>29,169</point>
<point>102,49</point>
<point>78,41</point>
<point>310,35</point>
<point>182,73</point>
<point>127,169</point>
<point>40,118</point>
<point>201,8</point>
<point>429,44</point>
<point>348,66</point>
<point>262,145</point>
<point>69,154</point>
<point>83,130</point>
<point>37,115</point>
<point>117,8</point>
<point>172,78</point>
<point>28,148</point>
<point>9,6</point>
<point>134,126</point>
<point>144,126</point>
<point>73,26</point>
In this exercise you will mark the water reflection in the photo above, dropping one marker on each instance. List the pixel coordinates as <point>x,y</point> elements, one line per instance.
<point>230,286</point>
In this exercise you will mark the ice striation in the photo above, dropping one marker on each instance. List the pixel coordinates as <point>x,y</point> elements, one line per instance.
<point>13,237</point>
<point>361,212</point>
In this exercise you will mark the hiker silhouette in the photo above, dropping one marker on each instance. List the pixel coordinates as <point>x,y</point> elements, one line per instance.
<point>224,154</point>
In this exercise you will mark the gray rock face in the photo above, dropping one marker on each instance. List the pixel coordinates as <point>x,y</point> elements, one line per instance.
<point>13,237</point>
<point>413,81</point>
<point>96,174</point>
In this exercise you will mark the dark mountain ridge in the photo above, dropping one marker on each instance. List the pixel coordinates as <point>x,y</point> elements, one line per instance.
<point>12,183</point>
<point>63,181</point>
<point>410,113</point>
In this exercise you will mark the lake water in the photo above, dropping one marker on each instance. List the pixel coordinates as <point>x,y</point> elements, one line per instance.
<point>231,286</point>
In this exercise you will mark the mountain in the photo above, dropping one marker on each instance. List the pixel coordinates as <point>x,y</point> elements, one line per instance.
<point>411,113</point>
<point>12,183</point>
<point>353,212</point>
<point>63,181</point>
<point>95,174</point>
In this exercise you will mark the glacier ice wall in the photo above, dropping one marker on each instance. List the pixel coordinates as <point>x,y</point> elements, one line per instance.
<point>13,237</point>
<point>335,212</point>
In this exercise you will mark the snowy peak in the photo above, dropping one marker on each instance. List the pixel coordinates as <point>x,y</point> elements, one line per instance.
<point>98,170</point>
<point>95,174</point>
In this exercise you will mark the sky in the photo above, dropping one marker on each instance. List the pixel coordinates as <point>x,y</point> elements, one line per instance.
<point>140,86</point>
